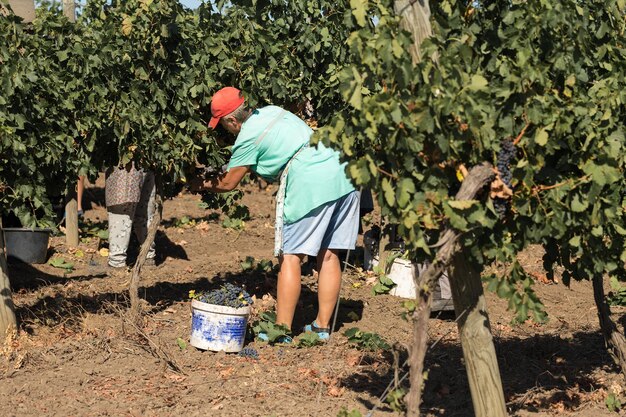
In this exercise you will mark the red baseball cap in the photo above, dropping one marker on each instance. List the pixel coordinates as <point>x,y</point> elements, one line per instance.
<point>223,103</point>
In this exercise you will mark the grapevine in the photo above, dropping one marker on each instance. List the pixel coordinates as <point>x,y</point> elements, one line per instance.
<point>139,87</point>
<point>228,203</point>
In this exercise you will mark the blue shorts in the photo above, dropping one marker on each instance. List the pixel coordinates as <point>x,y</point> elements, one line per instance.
<point>333,225</point>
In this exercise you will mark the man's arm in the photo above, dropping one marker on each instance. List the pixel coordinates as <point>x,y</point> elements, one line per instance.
<point>222,183</point>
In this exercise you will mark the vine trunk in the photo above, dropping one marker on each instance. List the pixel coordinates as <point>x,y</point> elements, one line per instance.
<point>8,322</point>
<point>135,305</point>
<point>614,340</point>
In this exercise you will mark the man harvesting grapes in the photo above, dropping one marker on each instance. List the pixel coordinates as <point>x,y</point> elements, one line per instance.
<point>317,207</point>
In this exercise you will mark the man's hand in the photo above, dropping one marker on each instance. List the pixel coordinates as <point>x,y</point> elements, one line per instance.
<point>221,183</point>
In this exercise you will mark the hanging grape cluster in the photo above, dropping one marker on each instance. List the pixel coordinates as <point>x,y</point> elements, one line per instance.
<point>227,295</point>
<point>505,156</point>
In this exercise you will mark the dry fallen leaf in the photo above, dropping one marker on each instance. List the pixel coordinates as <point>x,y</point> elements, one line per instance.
<point>463,170</point>
<point>203,226</point>
<point>336,391</point>
<point>505,328</point>
<point>542,278</point>
<point>225,373</point>
<point>334,388</point>
<point>559,407</point>
<point>616,388</point>
<point>307,372</point>
<point>104,252</point>
<point>371,280</point>
<point>354,358</point>
<point>177,378</point>
<point>500,189</point>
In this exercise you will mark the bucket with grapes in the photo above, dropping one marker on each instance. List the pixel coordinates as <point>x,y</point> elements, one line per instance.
<point>219,318</point>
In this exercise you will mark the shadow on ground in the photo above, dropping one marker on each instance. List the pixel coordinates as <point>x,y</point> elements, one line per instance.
<point>256,283</point>
<point>25,277</point>
<point>164,247</point>
<point>559,368</point>
<point>51,310</point>
<point>536,371</point>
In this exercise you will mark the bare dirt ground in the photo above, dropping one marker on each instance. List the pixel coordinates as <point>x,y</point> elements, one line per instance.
<point>77,354</point>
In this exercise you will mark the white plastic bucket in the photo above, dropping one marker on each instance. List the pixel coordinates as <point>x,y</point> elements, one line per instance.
<point>218,328</point>
<point>401,273</point>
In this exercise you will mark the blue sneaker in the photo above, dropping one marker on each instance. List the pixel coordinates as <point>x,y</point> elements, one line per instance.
<point>282,339</point>
<point>322,332</point>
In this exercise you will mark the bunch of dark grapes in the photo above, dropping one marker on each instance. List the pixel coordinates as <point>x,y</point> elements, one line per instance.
<point>505,156</point>
<point>211,171</point>
<point>227,295</point>
<point>249,352</point>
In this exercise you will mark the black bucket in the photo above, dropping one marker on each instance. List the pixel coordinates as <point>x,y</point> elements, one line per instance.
<point>27,245</point>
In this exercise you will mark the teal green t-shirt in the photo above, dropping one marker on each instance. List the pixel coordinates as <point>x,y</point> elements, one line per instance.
<point>269,139</point>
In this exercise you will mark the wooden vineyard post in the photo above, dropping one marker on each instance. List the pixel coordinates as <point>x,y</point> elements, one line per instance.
<point>71,220</point>
<point>22,8</point>
<point>415,16</point>
<point>479,351</point>
<point>416,20</point>
<point>72,238</point>
<point>69,10</point>
<point>467,293</point>
<point>8,321</point>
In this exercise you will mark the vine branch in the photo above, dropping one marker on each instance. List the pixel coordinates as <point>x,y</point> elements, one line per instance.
<point>519,137</point>
<point>390,175</point>
<point>538,188</point>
